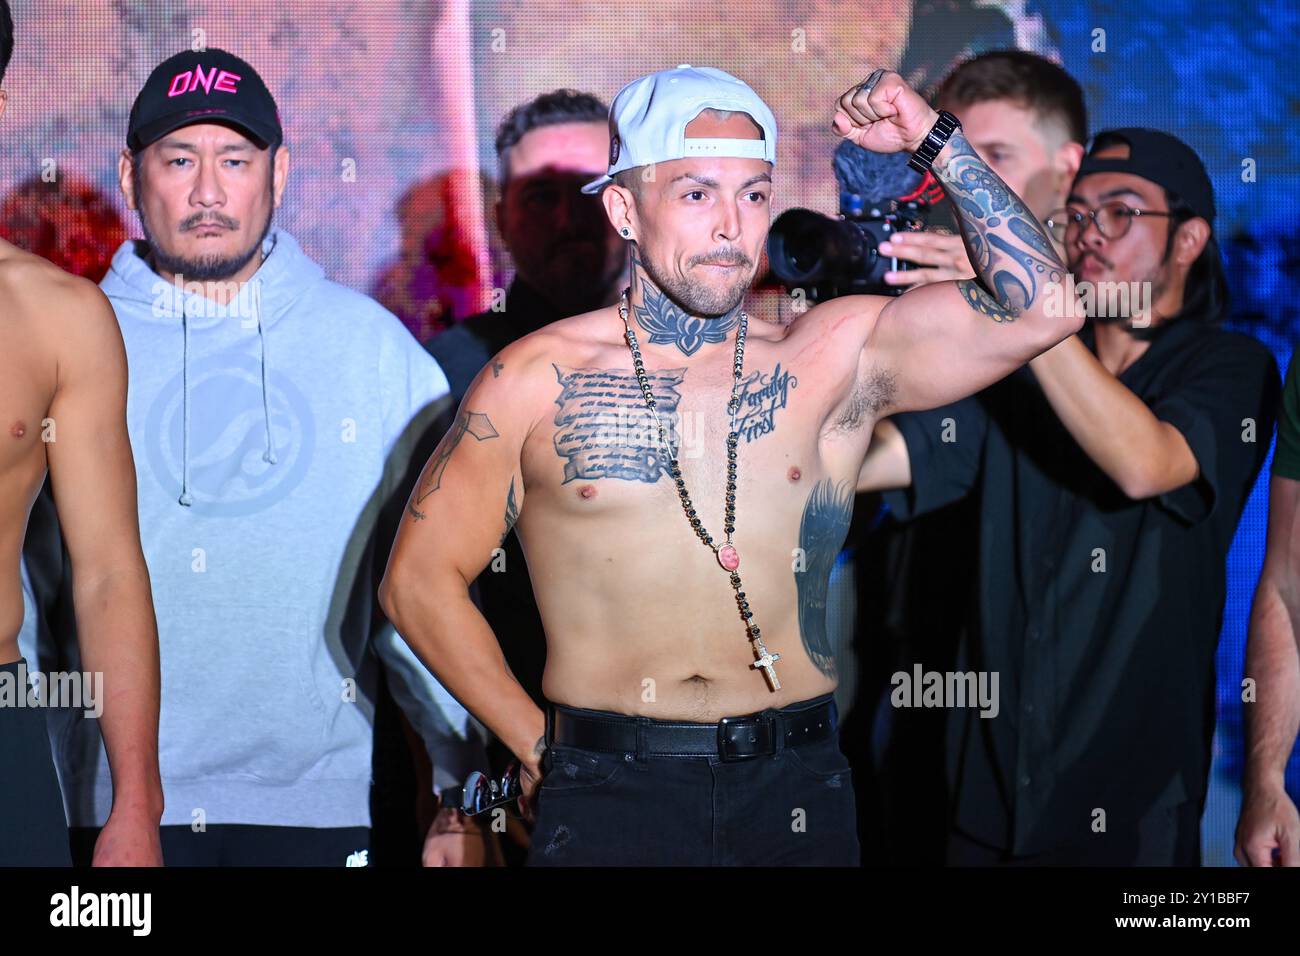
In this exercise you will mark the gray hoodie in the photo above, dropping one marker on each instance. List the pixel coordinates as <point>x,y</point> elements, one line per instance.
<point>266,436</point>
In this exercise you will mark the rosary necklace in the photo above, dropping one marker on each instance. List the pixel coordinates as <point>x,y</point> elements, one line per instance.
<point>726,552</point>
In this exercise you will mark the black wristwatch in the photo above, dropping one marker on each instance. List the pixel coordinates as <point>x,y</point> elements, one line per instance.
<point>934,142</point>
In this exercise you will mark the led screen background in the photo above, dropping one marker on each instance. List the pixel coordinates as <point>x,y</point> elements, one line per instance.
<point>390,110</point>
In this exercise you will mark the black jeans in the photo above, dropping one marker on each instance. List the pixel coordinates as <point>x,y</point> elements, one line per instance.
<point>793,808</point>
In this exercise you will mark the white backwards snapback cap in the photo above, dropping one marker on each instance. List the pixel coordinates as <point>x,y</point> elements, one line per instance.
<point>647,121</point>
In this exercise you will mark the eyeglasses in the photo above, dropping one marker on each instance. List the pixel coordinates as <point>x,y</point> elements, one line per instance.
<point>1113,220</point>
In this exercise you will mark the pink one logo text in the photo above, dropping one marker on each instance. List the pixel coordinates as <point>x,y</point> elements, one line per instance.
<point>223,81</point>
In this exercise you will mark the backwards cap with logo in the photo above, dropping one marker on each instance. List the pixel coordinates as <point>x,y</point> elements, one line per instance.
<point>1156,157</point>
<point>212,86</point>
<point>647,121</point>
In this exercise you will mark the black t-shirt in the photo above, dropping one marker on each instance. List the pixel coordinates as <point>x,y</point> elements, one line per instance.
<point>1099,613</point>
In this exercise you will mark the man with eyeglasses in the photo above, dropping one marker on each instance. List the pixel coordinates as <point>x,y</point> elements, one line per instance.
<point>1111,472</point>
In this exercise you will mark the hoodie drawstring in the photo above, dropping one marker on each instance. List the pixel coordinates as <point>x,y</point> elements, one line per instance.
<point>186,498</point>
<point>269,454</point>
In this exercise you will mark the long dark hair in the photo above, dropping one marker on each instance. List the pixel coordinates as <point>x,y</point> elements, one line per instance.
<point>1205,295</point>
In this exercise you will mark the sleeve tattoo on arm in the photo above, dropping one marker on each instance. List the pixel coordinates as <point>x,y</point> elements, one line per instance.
<point>1011,254</point>
<point>473,423</point>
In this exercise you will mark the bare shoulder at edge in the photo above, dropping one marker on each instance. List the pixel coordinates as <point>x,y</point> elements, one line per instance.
<point>38,291</point>
<point>55,313</point>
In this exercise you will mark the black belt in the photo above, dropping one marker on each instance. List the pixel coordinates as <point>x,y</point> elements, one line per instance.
<point>731,738</point>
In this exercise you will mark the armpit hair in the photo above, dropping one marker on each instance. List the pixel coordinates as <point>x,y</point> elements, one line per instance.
<point>872,392</point>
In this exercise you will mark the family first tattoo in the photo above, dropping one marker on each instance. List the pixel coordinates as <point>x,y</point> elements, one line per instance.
<point>476,424</point>
<point>761,396</point>
<point>1011,254</point>
<point>822,530</point>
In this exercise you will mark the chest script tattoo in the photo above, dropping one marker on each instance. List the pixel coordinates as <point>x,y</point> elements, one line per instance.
<point>603,429</point>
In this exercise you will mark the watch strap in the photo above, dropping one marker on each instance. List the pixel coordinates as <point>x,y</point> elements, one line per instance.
<point>934,141</point>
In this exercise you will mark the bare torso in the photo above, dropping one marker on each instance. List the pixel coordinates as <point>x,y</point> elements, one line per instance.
<point>28,378</point>
<point>640,617</point>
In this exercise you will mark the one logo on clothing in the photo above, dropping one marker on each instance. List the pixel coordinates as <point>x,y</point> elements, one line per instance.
<point>359,858</point>
<point>228,475</point>
<point>223,81</point>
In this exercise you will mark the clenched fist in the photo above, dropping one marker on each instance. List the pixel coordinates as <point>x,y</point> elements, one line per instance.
<point>891,117</point>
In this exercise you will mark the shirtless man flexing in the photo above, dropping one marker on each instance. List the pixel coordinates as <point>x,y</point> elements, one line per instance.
<point>688,663</point>
<point>63,401</point>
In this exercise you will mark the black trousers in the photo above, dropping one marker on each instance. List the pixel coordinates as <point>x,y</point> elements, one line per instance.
<point>33,828</point>
<point>793,808</point>
<point>1166,836</point>
<point>233,844</point>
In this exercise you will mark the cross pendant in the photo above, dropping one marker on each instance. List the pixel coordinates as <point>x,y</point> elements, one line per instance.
<point>765,663</point>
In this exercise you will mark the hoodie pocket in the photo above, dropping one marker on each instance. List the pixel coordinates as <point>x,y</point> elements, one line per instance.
<point>238,697</point>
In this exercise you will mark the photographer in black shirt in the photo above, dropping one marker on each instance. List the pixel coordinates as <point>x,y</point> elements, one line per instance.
<point>1111,473</point>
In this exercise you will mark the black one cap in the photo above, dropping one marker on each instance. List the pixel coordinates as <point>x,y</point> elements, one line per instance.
<point>211,86</point>
<point>1159,158</point>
